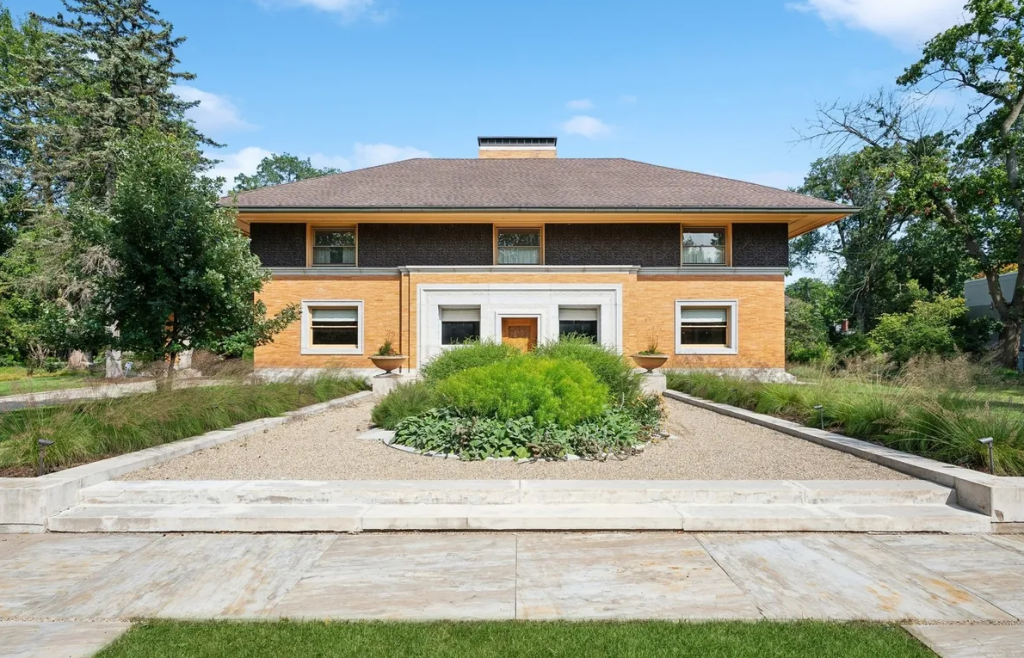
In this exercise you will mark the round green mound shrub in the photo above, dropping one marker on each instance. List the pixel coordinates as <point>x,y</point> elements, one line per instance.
<point>464,357</point>
<point>560,392</point>
<point>611,368</point>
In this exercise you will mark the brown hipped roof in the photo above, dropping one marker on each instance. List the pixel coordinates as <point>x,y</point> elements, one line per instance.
<point>492,184</point>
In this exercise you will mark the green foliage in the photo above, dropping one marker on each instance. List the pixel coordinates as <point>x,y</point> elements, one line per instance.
<point>91,430</point>
<point>610,368</point>
<point>468,355</point>
<point>185,276</point>
<point>280,168</point>
<point>613,431</point>
<point>926,329</point>
<point>923,421</point>
<point>405,400</point>
<point>806,333</point>
<point>561,392</point>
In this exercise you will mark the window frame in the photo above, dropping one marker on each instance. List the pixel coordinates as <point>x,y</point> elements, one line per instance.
<point>732,318</point>
<point>307,346</point>
<point>498,228</point>
<point>455,307</point>
<point>727,257</point>
<point>311,242</point>
<point>597,320</point>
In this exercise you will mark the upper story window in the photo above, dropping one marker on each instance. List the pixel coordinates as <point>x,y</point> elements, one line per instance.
<point>334,246</point>
<point>519,246</point>
<point>704,246</point>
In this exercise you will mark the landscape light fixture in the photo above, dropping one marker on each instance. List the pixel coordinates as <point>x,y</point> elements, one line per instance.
<point>43,445</point>
<point>821,414</point>
<point>988,440</point>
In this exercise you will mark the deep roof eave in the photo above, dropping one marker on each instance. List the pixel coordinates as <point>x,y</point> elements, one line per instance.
<point>566,209</point>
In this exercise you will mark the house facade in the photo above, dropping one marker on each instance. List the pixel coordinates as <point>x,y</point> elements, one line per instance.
<point>521,246</point>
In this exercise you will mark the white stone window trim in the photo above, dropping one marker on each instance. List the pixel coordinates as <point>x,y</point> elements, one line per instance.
<point>307,346</point>
<point>732,306</point>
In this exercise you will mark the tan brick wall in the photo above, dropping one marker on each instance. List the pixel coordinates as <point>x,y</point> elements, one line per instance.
<point>648,312</point>
<point>508,154</point>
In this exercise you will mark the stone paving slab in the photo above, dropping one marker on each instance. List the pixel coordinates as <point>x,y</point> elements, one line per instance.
<point>971,641</point>
<point>209,518</point>
<point>932,578</point>
<point>662,576</point>
<point>193,577</point>
<point>23,639</point>
<point>412,577</point>
<point>841,577</point>
<point>988,571</point>
<point>38,568</point>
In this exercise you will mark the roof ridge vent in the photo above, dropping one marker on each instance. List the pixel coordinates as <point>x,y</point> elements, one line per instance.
<point>517,147</point>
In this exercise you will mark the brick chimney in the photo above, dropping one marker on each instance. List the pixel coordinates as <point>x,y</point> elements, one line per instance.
<point>518,147</point>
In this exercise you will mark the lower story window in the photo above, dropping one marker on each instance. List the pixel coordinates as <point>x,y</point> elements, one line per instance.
<point>578,321</point>
<point>334,327</point>
<point>460,325</point>
<point>706,327</point>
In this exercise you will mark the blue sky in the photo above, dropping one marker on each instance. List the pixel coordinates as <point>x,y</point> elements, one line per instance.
<point>718,87</point>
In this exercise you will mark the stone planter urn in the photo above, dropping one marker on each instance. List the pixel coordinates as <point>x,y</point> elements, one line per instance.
<point>650,361</point>
<point>389,363</point>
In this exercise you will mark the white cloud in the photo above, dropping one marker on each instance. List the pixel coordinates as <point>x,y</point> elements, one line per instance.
<point>347,9</point>
<point>907,22</point>
<point>587,126</point>
<point>581,104</point>
<point>241,162</point>
<point>628,99</point>
<point>248,159</point>
<point>371,155</point>
<point>214,114</point>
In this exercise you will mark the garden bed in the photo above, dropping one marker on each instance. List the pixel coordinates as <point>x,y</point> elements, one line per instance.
<point>705,446</point>
<point>944,425</point>
<point>89,431</point>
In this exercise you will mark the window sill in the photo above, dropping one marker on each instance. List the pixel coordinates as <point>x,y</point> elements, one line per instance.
<point>721,351</point>
<point>332,350</point>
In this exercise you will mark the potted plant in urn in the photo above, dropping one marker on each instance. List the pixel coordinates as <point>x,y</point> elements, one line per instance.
<point>387,357</point>
<point>650,358</point>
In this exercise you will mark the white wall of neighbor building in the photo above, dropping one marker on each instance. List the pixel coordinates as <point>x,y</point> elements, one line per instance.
<point>499,300</point>
<point>979,302</point>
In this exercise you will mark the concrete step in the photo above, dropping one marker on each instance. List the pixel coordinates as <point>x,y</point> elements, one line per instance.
<point>490,492</point>
<point>637,516</point>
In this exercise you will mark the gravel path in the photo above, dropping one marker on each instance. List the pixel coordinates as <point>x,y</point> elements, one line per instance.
<point>709,447</point>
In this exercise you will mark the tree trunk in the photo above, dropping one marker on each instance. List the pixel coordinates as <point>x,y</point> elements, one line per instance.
<point>1009,343</point>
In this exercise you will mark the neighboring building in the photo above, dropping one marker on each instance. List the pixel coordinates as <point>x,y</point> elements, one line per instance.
<point>979,301</point>
<point>521,246</point>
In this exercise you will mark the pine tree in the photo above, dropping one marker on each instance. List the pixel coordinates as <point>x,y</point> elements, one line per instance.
<point>108,70</point>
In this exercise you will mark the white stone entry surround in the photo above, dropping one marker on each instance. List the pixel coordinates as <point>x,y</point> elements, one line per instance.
<point>514,300</point>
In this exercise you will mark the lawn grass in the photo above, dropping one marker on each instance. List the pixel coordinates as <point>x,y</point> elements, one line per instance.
<point>85,431</point>
<point>166,639</point>
<point>936,422</point>
<point>15,380</point>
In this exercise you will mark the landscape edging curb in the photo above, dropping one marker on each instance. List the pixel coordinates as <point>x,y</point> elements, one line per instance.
<point>25,503</point>
<point>1001,498</point>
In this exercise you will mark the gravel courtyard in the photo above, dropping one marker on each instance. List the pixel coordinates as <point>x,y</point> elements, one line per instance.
<point>709,447</point>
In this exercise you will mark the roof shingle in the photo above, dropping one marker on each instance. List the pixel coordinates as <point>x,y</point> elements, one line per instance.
<point>562,183</point>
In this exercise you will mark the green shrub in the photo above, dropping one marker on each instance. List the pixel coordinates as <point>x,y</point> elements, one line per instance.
<point>472,438</point>
<point>930,422</point>
<point>405,400</point>
<point>94,429</point>
<point>610,368</point>
<point>927,329</point>
<point>559,392</point>
<point>463,357</point>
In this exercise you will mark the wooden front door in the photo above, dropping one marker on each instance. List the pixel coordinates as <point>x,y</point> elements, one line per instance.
<point>519,332</point>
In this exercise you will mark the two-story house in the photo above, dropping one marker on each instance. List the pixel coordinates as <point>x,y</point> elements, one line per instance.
<point>521,246</point>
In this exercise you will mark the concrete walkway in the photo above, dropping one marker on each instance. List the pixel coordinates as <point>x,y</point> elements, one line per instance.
<point>930,581</point>
<point>96,392</point>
